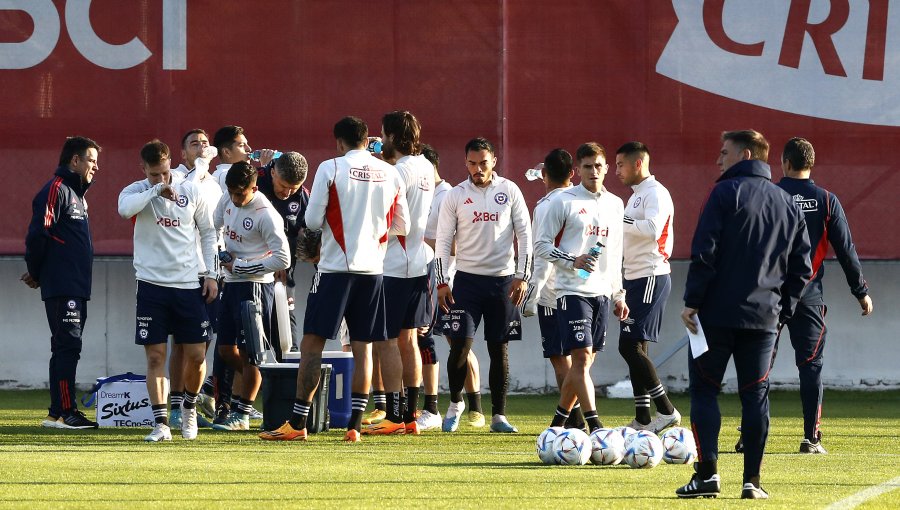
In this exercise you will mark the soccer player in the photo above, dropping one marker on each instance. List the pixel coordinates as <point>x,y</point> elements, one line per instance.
<point>357,200</point>
<point>406,266</point>
<point>749,264</point>
<point>826,224</point>
<point>576,220</point>
<point>255,241</point>
<point>170,299</point>
<point>648,233</point>
<point>59,254</point>
<point>557,173</point>
<point>482,215</point>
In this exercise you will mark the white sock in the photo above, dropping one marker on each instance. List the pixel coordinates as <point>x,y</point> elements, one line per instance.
<point>455,409</point>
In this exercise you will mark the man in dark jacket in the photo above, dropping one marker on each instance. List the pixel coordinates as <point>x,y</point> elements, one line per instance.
<point>826,224</point>
<point>749,264</point>
<point>59,254</point>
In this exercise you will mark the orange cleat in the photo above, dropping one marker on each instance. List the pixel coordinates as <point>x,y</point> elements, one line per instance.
<point>386,427</point>
<point>284,433</point>
<point>412,428</point>
<point>352,436</point>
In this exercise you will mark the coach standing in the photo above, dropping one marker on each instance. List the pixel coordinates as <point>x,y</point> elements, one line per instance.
<point>749,264</point>
<point>59,254</point>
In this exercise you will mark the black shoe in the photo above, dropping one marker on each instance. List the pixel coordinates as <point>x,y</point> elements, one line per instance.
<point>77,420</point>
<point>739,446</point>
<point>221,414</point>
<point>698,488</point>
<point>751,491</point>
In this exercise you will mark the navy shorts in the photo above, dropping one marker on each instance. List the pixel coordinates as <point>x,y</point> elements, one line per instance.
<point>358,298</point>
<point>163,311</point>
<point>551,336</point>
<point>231,327</point>
<point>583,321</point>
<point>409,306</point>
<point>478,296</point>
<point>646,300</point>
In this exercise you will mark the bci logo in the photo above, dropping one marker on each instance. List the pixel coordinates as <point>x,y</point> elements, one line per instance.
<point>47,21</point>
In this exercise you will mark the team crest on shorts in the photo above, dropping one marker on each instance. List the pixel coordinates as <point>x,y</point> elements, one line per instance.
<point>71,304</point>
<point>579,336</point>
<point>501,198</point>
<point>248,223</point>
<point>143,333</point>
<point>204,324</point>
<point>454,326</point>
<point>182,201</point>
<point>294,206</point>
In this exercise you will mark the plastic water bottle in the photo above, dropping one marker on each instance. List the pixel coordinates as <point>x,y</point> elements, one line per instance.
<point>534,174</point>
<point>595,251</point>
<point>374,145</point>
<point>254,156</point>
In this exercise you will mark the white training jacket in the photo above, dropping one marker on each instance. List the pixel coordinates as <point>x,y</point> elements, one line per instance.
<point>212,193</point>
<point>407,256</point>
<point>440,193</point>
<point>575,221</point>
<point>542,289</point>
<point>483,221</point>
<point>165,250</point>
<point>254,236</point>
<point>357,200</point>
<point>649,234</point>
<point>219,175</point>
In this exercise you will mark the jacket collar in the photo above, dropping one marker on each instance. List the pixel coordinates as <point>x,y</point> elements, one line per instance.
<point>646,183</point>
<point>72,180</point>
<point>747,168</point>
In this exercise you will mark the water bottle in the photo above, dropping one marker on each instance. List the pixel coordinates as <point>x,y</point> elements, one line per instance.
<point>374,145</point>
<point>534,174</point>
<point>595,251</point>
<point>254,156</point>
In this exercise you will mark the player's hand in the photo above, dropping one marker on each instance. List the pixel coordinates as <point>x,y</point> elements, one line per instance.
<point>517,290</point>
<point>281,276</point>
<point>585,262</point>
<point>31,282</point>
<point>445,298</point>
<point>266,156</point>
<point>210,289</point>
<point>866,303</point>
<point>688,317</point>
<point>622,310</point>
<point>168,192</point>
<point>228,265</point>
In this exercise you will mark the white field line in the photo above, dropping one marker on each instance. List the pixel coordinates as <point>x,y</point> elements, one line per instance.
<point>864,495</point>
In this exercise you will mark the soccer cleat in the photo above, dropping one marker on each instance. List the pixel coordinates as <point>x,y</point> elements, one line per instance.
<point>383,428</point>
<point>206,405</point>
<point>450,424</point>
<point>807,446</point>
<point>428,421</point>
<point>255,414</point>
<point>698,488</point>
<point>663,421</point>
<point>222,414</point>
<point>161,432</point>
<point>284,433</point>
<point>202,422</point>
<point>52,423</point>
<point>235,421</point>
<point>77,420</point>
<point>412,428</point>
<point>502,426</point>
<point>636,425</point>
<point>352,436</point>
<point>374,416</point>
<point>751,491</point>
<point>476,419</point>
<point>188,419</point>
<point>175,419</point>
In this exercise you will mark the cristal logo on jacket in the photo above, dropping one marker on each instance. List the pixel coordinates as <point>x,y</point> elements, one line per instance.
<point>806,204</point>
<point>485,216</point>
<point>367,174</point>
<point>821,58</point>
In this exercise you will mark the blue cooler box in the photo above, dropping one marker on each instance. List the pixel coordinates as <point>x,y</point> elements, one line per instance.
<point>339,402</point>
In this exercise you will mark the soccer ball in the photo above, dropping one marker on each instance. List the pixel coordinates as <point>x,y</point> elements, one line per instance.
<point>678,446</point>
<point>572,447</point>
<point>607,447</point>
<point>644,451</point>
<point>545,444</point>
<point>627,433</point>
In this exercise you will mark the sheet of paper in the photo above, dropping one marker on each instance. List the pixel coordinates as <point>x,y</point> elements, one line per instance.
<point>698,341</point>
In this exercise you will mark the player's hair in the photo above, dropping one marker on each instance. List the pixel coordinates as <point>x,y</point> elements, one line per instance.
<point>589,149</point>
<point>76,145</point>
<point>405,129</point>
<point>154,152</point>
<point>634,149</point>
<point>431,155</point>
<point>241,176</point>
<point>749,139</point>
<point>480,144</point>
<point>352,130</point>
<point>799,153</point>
<point>195,131</point>
<point>225,136</point>
<point>292,167</point>
<point>557,165</point>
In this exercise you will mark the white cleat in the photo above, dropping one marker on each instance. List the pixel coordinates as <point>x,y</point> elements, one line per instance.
<point>159,433</point>
<point>663,421</point>
<point>189,423</point>
<point>429,421</point>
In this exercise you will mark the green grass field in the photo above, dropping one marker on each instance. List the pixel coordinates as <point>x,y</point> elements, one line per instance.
<point>114,468</point>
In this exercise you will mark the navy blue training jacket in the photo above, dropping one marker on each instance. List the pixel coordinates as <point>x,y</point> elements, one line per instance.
<point>59,252</point>
<point>750,252</point>
<point>292,210</point>
<point>826,223</point>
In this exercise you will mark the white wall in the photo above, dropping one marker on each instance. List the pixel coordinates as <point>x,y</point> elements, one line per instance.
<point>860,353</point>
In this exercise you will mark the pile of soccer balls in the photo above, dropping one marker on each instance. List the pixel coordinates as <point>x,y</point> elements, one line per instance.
<point>608,447</point>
